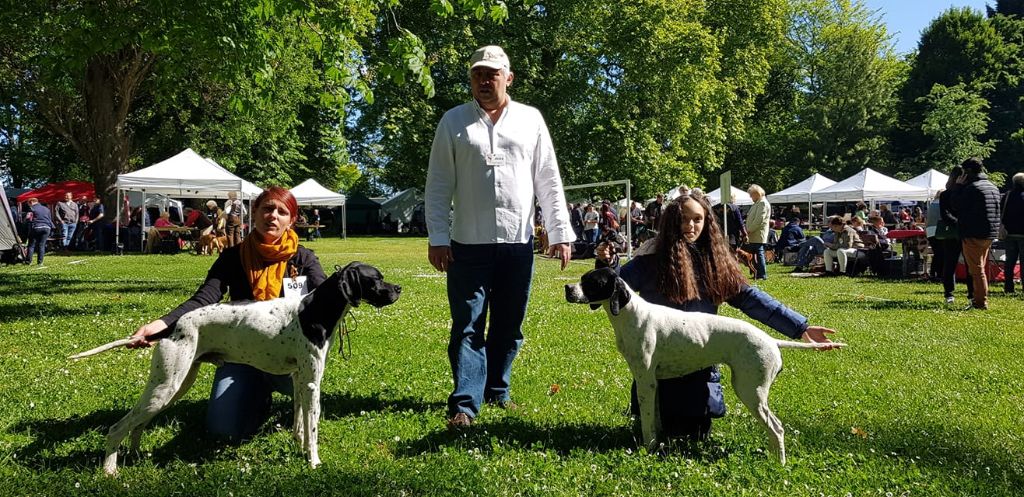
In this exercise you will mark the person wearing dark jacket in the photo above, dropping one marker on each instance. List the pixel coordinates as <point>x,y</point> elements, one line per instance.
<point>689,266</point>
<point>39,229</point>
<point>949,237</point>
<point>1013,221</point>
<point>977,206</point>
<point>791,238</point>
<point>266,265</point>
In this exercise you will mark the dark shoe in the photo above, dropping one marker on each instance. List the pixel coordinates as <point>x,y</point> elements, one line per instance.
<point>460,421</point>
<point>507,405</point>
<point>798,269</point>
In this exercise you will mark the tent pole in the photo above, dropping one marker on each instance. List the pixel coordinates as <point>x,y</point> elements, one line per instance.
<point>117,222</point>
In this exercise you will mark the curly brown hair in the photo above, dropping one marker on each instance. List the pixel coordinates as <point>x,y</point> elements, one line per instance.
<point>691,271</point>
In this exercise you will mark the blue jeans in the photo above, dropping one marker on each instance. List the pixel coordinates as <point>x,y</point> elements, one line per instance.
<point>240,400</point>
<point>68,230</point>
<point>809,249</point>
<point>1014,253</point>
<point>37,238</point>
<point>590,235</point>
<point>760,263</point>
<point>494,277</point>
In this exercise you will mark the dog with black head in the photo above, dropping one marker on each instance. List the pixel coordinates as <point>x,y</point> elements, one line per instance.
<point>280,336</point>
<point>660,342</point>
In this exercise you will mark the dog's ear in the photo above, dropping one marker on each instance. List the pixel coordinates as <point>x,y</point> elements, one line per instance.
<point>622,294</point>
<point>350,286</point>
<point>614,300</point>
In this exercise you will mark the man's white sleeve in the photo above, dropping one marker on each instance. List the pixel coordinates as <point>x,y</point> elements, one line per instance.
<point>437,195</point>
<point>547,187</point>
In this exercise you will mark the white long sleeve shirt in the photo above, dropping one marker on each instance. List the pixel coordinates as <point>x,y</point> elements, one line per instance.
<point>489,174</point>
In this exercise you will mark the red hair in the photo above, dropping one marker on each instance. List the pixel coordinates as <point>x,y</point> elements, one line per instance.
<point>281,195</point>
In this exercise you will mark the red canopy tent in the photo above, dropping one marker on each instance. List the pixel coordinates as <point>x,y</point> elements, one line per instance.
<point>54,192</point>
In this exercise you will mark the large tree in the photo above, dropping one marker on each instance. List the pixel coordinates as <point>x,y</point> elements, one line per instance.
<point>830,103</point>
<point>986,56</point>
<point>84,66</point>
<point>649,91</point>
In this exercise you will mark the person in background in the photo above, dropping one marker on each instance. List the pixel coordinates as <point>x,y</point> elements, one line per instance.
<point>812,247</point>
<point>845,245</point>
<point>591,220</point>
<point>153,236</point>
<point>948,236</point>
<point>791,238</point>
<point>487,251</point>
<point>876,252</point>
<point>861,212</point>
<point>576,218</point>
<point>637,218</point>
<point>690,267</point>
<point>757,224</point>
<point>314,231</point>
<point>887,216</point>
<point>1013,222</point>
<point>977,207</point>
<point>653,211</point>
<point>264,266</point>
<point>40,226</point>
<point>235,212</point>
<point>96,214</point>
<point>67,217</point>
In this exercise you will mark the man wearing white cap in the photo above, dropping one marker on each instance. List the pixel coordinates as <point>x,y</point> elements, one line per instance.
<point>490,158</point>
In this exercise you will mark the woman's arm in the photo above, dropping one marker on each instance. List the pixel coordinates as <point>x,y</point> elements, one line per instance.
<point>766,309</point>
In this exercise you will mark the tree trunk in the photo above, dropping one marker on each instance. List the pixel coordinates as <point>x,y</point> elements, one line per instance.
<point>95,121</point>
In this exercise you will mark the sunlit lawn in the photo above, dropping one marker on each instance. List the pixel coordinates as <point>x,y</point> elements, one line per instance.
<point>927,400</point>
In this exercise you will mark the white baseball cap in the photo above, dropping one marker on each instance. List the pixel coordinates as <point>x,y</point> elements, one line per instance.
<point>491,56</point>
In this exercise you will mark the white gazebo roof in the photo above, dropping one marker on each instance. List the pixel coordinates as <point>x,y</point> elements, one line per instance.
<point>869,185</point>
<point>739,197</point>
<point>801,192</point>
<point>310,192</point>
<point>187,174</point>
<point>931,180</point>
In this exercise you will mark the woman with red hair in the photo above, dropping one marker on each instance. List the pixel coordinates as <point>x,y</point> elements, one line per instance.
<point>256,269</point>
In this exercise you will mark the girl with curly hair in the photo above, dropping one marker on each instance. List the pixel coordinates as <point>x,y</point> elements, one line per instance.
<point>690,267</point>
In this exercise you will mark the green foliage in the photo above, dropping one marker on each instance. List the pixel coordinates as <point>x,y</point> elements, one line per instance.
<point>649,91</point>
<point>963,47</point>
<point>830,102</point>
<point>955,118</point>
<point>923,402</point>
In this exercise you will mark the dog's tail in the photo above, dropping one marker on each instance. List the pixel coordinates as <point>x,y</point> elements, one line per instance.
<point>789,344</point>
<point>102,348</point>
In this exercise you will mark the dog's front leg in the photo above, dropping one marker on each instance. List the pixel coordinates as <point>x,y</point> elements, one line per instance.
<point>650,416</point>
<point>310,376</point>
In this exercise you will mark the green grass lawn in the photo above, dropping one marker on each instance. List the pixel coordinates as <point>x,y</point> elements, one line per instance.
<point>927,400</point>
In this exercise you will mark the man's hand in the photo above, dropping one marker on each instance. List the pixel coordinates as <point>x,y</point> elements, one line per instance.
<point>440,257</point>
<point>139,339</point>
<point>603,252</point>
<point>561,251</point>
<point>817,334</point>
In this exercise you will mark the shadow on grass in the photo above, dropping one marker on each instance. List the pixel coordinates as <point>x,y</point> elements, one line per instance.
<point>933,446</point>
<point>337,405</point>
<point>564,439</point>
<point>191,444</point>
<point>46,284</point>
<point>48,452</point>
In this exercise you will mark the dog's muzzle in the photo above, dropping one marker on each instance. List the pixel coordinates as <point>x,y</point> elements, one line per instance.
<point>574,294</point>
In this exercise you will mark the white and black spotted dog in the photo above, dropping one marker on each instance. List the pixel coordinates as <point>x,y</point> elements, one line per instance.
<point>660,342</point>
<point>280,336</point>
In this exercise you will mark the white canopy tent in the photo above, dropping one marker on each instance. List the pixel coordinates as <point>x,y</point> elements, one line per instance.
<point>402,205</point>
<point>931,180</point>
<point>311,192</point>
<point>185,175</point>
<point>869,185</point>
<point>801,192</point>
<point>739,197</point>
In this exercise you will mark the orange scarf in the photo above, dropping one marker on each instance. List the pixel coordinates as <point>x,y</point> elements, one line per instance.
<point>265,264</point>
